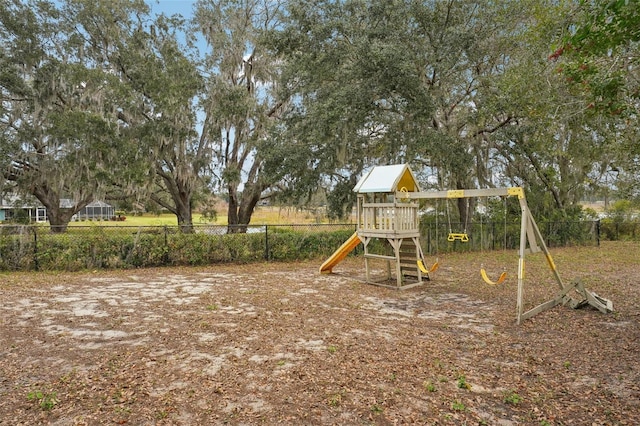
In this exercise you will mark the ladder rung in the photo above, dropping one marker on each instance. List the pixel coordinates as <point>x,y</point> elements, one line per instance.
<point>379,256</point>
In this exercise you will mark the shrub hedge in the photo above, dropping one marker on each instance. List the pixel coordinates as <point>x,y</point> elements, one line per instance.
<point>29,247</point>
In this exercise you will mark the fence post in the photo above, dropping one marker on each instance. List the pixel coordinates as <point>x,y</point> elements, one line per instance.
<point>266,242</point>
<point>598,233</point>
<point>35,248</point>
<point>165,255</point>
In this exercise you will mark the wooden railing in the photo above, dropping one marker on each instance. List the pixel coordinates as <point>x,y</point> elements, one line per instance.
<point>389,217</point>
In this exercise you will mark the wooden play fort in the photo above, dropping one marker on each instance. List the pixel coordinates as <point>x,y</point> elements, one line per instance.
<point>388,227</point>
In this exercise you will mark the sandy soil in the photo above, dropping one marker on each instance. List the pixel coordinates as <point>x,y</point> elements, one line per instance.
<point>278,343</point>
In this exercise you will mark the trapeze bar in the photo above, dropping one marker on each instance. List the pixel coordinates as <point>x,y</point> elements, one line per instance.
<point>458,236</point>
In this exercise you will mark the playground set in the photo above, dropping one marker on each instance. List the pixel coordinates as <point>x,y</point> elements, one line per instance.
<point>387,212</point>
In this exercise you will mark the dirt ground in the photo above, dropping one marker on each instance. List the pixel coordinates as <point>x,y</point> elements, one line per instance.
<point>278,343</point>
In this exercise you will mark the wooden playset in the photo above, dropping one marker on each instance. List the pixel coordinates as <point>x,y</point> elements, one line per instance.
<point>388,227</point>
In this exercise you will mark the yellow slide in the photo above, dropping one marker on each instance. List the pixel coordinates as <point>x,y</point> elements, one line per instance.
<point>340,254</point>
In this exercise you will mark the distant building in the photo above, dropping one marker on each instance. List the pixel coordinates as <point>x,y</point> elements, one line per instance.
<point>98,210</point>
<point>13,207</point>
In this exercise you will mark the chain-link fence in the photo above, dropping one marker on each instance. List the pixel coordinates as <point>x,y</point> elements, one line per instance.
<point>36,247</point>
<point>620,230</point>
<point>28,247</point>
<point>501,235</point>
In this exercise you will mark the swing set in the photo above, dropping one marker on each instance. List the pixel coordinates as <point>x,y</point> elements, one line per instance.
<point>531,241</point>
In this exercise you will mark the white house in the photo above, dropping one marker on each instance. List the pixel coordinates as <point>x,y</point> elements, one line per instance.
<point>12,206</point>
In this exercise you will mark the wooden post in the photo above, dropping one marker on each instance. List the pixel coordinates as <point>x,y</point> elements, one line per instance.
<point>396,243</point>
<point>419,256</point>
<point>523,245</point>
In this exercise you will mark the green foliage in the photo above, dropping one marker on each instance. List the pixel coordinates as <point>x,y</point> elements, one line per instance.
<point>209,214</point>
<point>607,25</point>
<point>88,120</point>
<point>104,98</point>
<point>287,244</point>
<point>429,386</point>
<point>462,382</point>
<point>89,247</point>
<point>458,406</point>
<point>601,53</point>
<point>341,198</point>
<point>46,401</point>
<point>361,98</point>
<point>621,222</point>
<point>20,217</point>
<point>92,247</point>
<point>499,227</point>
<point>16,248</point>
<point>376,409</point>
<point>239,101</point>
<point>335,400</point>
<point>620,211</point>
<point>64,133</point>
<point>511,397</point>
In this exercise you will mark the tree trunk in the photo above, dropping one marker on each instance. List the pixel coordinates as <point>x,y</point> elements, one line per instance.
<point>59,218</point>
<point>181,193</point>
<point>183,211</point>
<point>239,214</point>
<point>185,218</point>
<point>247,208</point>
<point>466,207</point>
<point>232,211</point>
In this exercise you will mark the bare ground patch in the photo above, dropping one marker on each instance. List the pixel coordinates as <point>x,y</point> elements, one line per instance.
<point>279,343</point>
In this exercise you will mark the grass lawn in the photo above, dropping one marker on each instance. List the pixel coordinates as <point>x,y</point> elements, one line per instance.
<point>268,215</point>
<point>145,220</point>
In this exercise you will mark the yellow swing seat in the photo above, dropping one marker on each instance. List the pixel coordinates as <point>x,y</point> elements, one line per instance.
<point>486,279</point>
<point>424,269</point>
<point>458,237</point>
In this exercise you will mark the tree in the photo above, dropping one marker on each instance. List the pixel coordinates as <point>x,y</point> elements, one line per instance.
<point>560,150</point>
<point>240,105</point>
<point>397,81</point>
<point>359,97</point>
<point>57,138</point>
<point>527,153</point>
<point>465,50</point>
<point>598,56</point>
<point>159,83</point>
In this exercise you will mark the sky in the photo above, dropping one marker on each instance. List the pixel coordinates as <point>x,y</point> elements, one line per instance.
<point>172,7</point>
